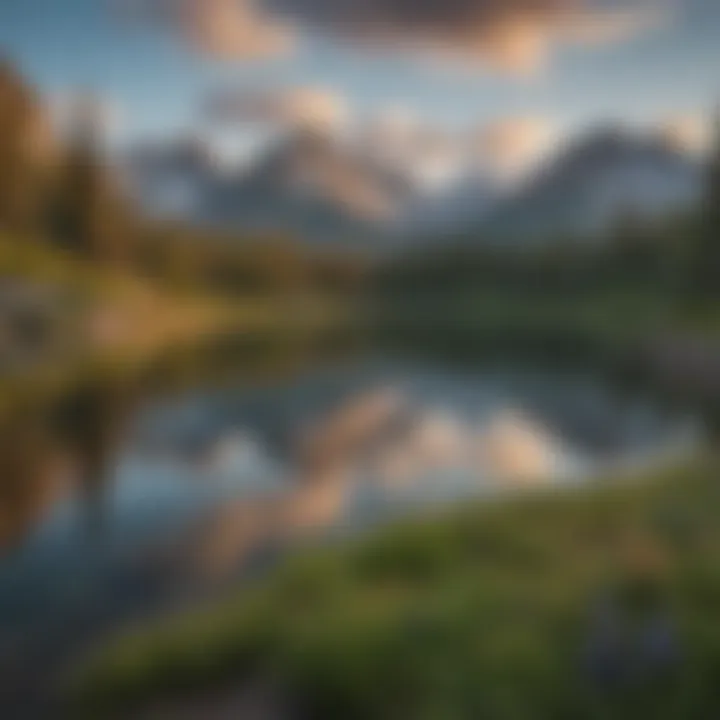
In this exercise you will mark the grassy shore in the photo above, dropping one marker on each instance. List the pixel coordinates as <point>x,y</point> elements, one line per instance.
<point>485,613</point>
<point>102,321</point>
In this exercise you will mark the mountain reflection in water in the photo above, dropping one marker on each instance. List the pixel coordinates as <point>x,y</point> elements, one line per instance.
<point>391,448</point>
<point>376,442</point>
<point>117,502</point>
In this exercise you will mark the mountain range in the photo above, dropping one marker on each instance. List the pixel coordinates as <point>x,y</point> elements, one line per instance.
<point>327,191</point>
<point>307,184</point>
<point>590,185</point>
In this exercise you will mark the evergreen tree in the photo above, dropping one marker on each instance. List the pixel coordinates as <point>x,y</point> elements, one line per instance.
<point>89,214</point>
<point>20,181</point>
<point>706,273</point>
<point>634,246</point>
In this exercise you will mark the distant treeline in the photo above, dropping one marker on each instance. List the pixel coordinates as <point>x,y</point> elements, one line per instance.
<point>679,253</point>
<point>63,193</point>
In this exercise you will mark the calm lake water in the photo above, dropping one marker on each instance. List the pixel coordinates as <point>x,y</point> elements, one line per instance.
<point>144,492</point>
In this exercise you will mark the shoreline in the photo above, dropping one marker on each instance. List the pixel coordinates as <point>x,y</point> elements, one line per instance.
<point>228,644</point>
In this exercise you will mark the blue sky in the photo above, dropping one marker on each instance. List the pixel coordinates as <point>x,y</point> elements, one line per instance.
<point>159,82</point>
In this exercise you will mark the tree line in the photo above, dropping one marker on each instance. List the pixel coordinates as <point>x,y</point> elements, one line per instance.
<point>64,194</point>
<point>677,253</point>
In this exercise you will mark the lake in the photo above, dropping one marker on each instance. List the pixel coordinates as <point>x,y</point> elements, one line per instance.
<point>132,494</point>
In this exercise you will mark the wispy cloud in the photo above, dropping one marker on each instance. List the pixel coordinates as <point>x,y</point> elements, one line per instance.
<point>513,35</point>
<point>285,107</point>
<point>222,29</point>
<point>510,145</point>
<point>689,132</point>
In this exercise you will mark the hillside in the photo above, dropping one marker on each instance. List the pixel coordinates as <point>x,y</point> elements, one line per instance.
<point>497,611</point>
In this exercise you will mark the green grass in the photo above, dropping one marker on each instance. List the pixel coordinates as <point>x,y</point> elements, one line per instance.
<point>479,614</point>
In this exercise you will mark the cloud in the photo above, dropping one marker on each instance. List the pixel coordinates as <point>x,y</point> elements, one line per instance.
<point>284,107</point>
<point>506,147</point>
<point>400,130</point>
<point>510,145</point>
<point>515,35</point>
<point>392,134</point>
<point>221,29</point>
<point>691,132</point>
<point>396,136</point>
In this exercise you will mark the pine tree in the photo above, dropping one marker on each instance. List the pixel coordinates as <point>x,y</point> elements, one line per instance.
<point>21,186</point>
<point>89,215</point>
<point>707,256</point>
